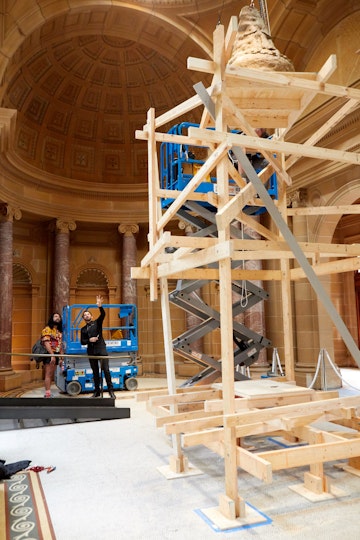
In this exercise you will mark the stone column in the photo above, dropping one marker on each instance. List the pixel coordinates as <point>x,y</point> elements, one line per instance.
<point>61,264</point>
<point>192,320</point>
<point>8,378</point>
<point>129,255</point>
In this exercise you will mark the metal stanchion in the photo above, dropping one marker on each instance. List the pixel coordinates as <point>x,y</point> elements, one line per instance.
<point>101,378</point>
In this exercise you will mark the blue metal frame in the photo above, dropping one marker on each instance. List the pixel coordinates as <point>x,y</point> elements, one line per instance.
<point>78,369</point>
<point>123,349</point>
<point>177,165</point>
<point>73,321</point>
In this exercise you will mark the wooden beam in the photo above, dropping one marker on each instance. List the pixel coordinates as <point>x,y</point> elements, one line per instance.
<point>349,107</point>
<point>158,247</point>
<point>146,394</point>
<point>199,258</point>
<point>325,269</point>
<point>184,108</point>
<point>304,408</point>
<point>273,145</point>
<point>203,437</point>
<point>256,226</point>
<point>230,36</point>
<point>324,210</point>
<point>185,269</point>
<point>185,398</point>
<point>153,185</point>
<point>236,204</point>
<point>254,464</point>
<point>322,76</point>
<point>306,455</point>
<point>183,417</point>
<point>209,197</point>
<point>291,80</point>
<point>249,130</point>
<point>198,64</point>
<point>212,274</point>
<point>309,248</point>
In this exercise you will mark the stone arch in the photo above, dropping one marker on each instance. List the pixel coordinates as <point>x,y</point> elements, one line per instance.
<point>36,19</point>
<point>90,280</point>
<point>21,275</point>
<point>92,277</point>
<point>342,40</point>
<point>325,226</point>
<point>340,287</point>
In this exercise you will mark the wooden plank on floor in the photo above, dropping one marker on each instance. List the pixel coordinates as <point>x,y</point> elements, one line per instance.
<point>185,398</point>
<point>303,408</point>
<point>254,464</point>
<point>306,455</point>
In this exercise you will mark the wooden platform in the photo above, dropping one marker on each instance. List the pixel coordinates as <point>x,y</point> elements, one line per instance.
<point>262,393</point>
<point>269,387</point>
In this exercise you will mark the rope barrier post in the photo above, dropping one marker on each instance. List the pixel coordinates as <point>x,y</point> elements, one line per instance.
<point>101,378</point>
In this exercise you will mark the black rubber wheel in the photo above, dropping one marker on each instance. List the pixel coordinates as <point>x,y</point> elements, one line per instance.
<point>131,383</point>
<point>73,388</point>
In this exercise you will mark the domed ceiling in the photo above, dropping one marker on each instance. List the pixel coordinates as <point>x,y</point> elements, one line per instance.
<point>82,86</point>
<point>82,80</point>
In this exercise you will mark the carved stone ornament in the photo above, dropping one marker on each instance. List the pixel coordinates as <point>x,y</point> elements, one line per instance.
<point>65,226</point>
<point>129,229</point>
<point>297,198</point>
<point>189,229</point>
<point>253,47</point>
<point>9,213</point>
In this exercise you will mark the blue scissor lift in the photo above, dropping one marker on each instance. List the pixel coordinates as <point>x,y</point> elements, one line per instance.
<point>179,163</point>
<point>121,338</point>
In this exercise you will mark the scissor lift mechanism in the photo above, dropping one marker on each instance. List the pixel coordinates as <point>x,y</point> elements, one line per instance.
<point>178,165</point>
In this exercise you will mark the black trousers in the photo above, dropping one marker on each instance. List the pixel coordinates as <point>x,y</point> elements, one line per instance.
<point>95,365</point>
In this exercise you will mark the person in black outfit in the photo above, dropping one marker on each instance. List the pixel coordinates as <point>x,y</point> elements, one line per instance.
<point>256,159</point>
<point>91,335</point>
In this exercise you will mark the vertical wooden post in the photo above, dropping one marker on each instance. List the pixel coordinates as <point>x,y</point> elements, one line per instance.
<point>287,316</point>
<point>178,462</point>
<point>315,480</point>
<point>153,183</point>
<point>230,502</point>
<point>286,293</point>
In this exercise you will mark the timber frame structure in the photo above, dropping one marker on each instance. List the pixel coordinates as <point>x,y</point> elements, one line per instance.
<point>246,99</point>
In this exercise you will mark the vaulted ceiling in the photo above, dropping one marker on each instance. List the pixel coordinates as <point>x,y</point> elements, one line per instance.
<point>82,75</point>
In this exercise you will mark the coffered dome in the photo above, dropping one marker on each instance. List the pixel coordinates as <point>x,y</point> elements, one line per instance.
<point>81,76</point>
<point>82,84</point>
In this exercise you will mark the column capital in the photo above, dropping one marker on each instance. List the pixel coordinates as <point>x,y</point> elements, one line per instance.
<point>298,198</point>
<point>189,229</point>
<point>128,229</point>
<point>9,212</point>
<point>65,226</point>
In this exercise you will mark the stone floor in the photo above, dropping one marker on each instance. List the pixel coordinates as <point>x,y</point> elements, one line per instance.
<point>109,483</point>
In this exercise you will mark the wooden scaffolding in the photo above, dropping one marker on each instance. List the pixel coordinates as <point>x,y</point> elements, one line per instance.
<point>220,415</point>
